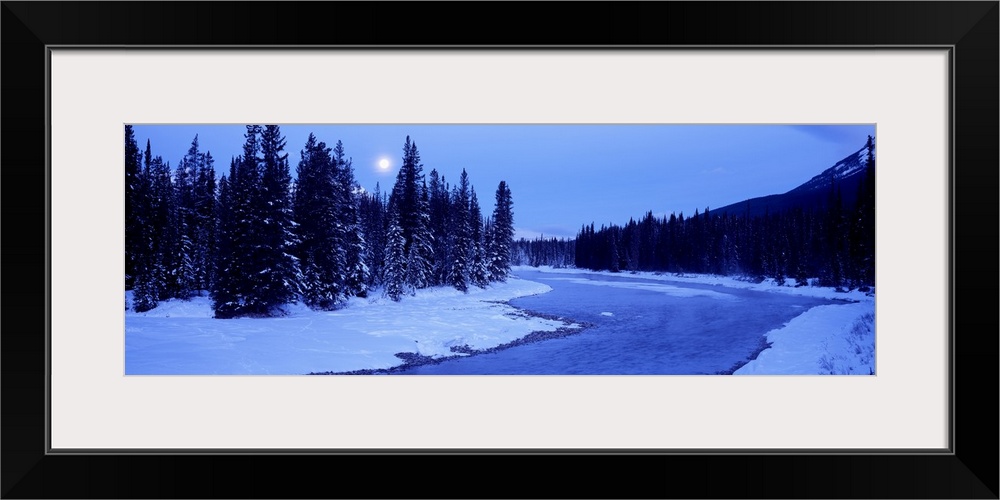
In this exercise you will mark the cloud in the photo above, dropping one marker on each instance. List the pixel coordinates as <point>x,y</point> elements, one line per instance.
<point>716,171</point>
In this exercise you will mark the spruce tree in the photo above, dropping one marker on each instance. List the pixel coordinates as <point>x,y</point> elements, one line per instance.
<point>479,273</point>
<point>835,237</point>
<point>613,254</point>
<point>419,268</point>
<point>320,244</point>
<point>357,271</point>
<point>630,245</point>
<point>867,217</point>
<point>277,269</point>
<point>410,202</point>
<point>182,255</point>
<point>244,194</point>
<point>439,206</point>
<point>373,222</point>
<point>205,222</point>
<point>162,233</point>
<point>146,293</point>
<point>222,290</point>
<point>242,249</point>
<point>488,245</point>
<point>134,193</point>
<point>406,191</point>
<point>395,260</point>
<point>461,235</point>
<point>232,292</point>
<point>502,235</point>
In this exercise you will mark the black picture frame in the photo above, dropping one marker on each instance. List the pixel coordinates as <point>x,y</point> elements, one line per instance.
<point>969,28</point>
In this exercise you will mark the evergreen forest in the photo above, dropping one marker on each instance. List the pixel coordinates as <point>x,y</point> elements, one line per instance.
<point>255,240</point>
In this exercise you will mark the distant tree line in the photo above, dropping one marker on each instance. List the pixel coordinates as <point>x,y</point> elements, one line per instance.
<point>257,240</point>
<point>541,251</point>
<point>835,243</point>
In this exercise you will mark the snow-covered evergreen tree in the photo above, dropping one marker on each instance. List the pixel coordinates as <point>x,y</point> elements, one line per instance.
<point>479,274</point>
<point>406,191</point>
<point>419,269</point>
<point>161,232</point>
<point>502,235</point>
<point>439,206</point>
<point>488,244</point>
<point>410,203</point>
<point>277,269</point>
<point>245,228</point>
<point>357,274</point>
<point>206,223</point>
<point>181,267</point>
<point>248,265</point>
<point>461,235</point>
<point>321,235</point>
<point>373,226</point>
<point>222,290</point>
<point>395,260</point>
<point>134,193</point>
<point>145,290</point>
<point>233,293</point>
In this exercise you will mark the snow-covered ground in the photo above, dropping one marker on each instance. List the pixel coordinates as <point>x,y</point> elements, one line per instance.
<point>180,337</point>
<point>832,339</point>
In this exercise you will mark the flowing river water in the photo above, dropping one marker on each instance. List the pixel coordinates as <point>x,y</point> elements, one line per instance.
<point>640,326</point>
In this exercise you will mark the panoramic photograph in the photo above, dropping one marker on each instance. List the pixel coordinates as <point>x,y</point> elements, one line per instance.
<point>522,249</point>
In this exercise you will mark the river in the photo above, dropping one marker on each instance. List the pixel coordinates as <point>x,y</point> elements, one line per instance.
<point>640,326</point>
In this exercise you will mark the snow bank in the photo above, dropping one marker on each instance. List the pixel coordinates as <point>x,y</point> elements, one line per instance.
<point>197,307</point>
<point>181,337</point>
<point>825,340</point>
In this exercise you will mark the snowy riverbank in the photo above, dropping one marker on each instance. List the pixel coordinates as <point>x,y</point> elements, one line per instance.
<point>831,339</point>
<point>181,337</point>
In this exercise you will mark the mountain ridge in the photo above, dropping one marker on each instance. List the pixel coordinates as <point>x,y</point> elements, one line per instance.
<point>812,194</point>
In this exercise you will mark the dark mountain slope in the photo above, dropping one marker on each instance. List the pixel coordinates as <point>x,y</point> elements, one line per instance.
<point>813,194</point>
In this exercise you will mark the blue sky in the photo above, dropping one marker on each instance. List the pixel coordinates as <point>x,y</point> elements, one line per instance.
<point>564,176</point>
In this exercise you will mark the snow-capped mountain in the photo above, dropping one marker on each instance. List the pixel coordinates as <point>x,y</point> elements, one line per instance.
<point>846,173</point>
<point>849,167</point>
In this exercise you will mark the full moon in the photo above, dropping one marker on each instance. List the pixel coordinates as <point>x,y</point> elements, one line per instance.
<point>383,164</point>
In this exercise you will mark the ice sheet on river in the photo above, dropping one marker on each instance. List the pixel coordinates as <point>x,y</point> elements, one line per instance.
<point>671,290</point>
